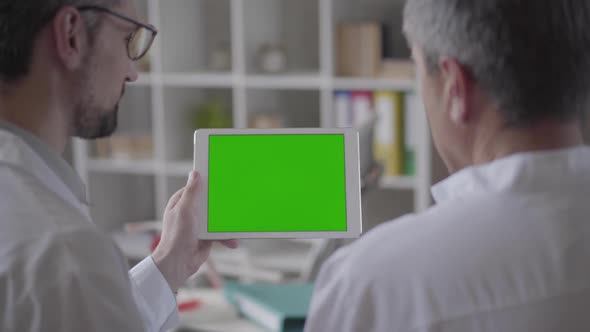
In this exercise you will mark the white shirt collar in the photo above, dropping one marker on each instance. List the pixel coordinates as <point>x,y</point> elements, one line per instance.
<point>520,171</point>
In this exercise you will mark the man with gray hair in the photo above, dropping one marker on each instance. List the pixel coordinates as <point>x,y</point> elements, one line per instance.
<point>506,247</point>
<point>63,68</point>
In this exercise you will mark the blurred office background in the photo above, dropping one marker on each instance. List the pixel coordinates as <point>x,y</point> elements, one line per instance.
<point>261,64</point>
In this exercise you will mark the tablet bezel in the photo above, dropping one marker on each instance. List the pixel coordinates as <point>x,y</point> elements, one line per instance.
<point>353,199</point>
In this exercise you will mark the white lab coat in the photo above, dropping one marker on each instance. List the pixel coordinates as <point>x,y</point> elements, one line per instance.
<point>58,272</point>
<point>506,249</point>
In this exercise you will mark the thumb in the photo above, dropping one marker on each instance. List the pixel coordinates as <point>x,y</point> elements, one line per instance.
<point>192,186</point>
<point>174,199</point>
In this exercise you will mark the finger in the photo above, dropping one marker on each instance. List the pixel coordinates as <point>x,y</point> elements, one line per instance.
<point>232,244</point>
<point>203,250</point>
<point>190,191</point>
<point>174,199</point>
<point>213,275</point>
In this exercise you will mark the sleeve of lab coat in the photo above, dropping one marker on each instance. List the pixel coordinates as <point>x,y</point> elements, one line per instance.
<point>342,300</point>
<point>154,298</point>
<point>73,281</point>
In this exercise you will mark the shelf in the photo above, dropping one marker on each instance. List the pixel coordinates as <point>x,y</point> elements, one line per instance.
<point>179,168</point>
<point>190,33</point>
<point>234,263</point>
<point>176,168</point>
<point>290,26</point>
<point>209,51</point>
<point>270,266</point>
<point>260,275</point>
<point>301,81</point>
<point>283,261</point>
<point>284,108</point>
<point>374,84</point>
<point>228,80</point>
<point>180,108</point>
<point>145,167</point>
<point>288,81</point>
<point>208,80</point>
<point>397,182</point>
<point>144,79</point>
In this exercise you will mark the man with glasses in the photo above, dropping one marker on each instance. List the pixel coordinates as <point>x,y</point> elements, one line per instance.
<point>64,65</point>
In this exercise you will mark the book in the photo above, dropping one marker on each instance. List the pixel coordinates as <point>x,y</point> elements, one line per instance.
<point>389,138</point>
<point>359,48</point>
<point>412,117</point>
<point>362,107</point>
<point>276,307</point>
<point>397,69</point>
<point>343,109</point>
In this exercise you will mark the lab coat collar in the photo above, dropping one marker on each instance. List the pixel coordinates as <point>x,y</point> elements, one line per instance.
<point>54,161</point>
<point>537,171</point>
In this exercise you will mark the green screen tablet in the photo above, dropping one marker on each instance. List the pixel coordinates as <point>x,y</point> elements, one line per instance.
<point>280,183</point>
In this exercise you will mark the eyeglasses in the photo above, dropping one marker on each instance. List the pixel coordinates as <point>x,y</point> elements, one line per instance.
<point>140,41</point>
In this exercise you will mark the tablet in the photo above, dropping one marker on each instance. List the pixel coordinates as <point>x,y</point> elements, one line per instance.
<point>278,183</point>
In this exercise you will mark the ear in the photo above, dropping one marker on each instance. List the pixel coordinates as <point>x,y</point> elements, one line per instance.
<point>456,91</point>
<point>70,37</point>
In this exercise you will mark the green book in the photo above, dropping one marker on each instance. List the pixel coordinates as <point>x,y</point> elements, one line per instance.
<point>278,308</point>
<point>413,117</point>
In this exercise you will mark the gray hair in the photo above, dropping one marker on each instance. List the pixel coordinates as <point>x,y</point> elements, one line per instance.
<point>531,56</point>
<point>20,23</point>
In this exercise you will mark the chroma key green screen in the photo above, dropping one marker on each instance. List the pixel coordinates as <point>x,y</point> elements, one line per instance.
<point>277,183</point>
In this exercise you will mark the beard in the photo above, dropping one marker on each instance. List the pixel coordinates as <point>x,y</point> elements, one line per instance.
<point>93,123</point>
<point>90,120</point>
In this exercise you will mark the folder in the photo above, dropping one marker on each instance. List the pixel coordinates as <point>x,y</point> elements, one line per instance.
<point>412,117</point>
<point>343,109</point>
<point>389,138</point>
<point>362,107</point>
<point>277,308</point>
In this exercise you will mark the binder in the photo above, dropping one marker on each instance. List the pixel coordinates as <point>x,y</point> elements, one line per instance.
<point>362,107</point>
<point>389,137</point>
<point>343,109</point>
<point>413,115</point>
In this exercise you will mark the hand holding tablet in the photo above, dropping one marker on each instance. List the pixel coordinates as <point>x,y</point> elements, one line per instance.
<point>278,183</point>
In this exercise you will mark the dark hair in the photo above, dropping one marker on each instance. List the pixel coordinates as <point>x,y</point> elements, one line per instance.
<point>531,56</point>
<point>20,23</point>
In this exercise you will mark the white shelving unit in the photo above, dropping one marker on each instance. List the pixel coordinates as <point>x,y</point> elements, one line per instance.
<point>179,78</point>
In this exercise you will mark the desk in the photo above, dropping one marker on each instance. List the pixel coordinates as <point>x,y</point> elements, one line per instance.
<point>214,315</point>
